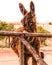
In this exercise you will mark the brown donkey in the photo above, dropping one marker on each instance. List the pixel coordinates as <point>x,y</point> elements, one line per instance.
<point>30,26</point>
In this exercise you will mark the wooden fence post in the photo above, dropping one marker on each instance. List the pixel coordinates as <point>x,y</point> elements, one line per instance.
<point>21,53</point>
<point>9,41</point>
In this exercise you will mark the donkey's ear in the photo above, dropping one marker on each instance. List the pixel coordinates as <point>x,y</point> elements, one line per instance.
<point>32,8</point>
<point>22,9</point>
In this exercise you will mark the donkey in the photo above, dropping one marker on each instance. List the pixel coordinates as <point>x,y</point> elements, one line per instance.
<point>29,25</point>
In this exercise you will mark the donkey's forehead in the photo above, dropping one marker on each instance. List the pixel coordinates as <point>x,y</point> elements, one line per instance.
<point>28,14</point>
<point>28,18</point>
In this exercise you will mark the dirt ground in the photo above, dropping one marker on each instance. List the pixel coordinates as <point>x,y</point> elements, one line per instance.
<point>48,54</point>
<point>8,57</point>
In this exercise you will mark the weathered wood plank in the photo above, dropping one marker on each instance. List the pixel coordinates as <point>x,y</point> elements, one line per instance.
<point>33,52</point>
<point>12,33</point>
<point>21,54</point>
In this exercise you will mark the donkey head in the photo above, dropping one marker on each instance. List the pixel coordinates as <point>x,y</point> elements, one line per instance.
<point>29,19</point>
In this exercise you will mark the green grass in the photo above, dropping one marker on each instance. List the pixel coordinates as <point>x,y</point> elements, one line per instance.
<point>2,37</point>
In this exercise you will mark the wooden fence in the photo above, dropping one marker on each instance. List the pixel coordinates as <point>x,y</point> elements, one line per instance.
<point>25,43</point>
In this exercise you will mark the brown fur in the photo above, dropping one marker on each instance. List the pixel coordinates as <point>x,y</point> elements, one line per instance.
<point>15,41</point>
<point>29,25</point>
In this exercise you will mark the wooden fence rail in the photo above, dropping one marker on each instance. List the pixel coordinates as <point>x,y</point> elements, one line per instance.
<point>11,33</point>
<point>25,43</point>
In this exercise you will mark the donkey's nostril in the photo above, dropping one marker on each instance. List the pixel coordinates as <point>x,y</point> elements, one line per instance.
<point>24,24</point>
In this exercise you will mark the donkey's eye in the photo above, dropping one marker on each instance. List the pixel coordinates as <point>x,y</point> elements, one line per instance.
<point>31,24</point>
